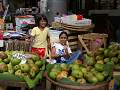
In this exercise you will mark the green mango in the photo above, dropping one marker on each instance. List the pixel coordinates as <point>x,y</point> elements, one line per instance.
<point>106,60</point>
<point>81,81</point>
<point>114,59</point>
<point>89,60</point>
<point>16,67</point>
<point>106,52</point>
<point>71,78</point>
<point>32,74</point>
<point>35,58</point>
<point>75,67</point>
<point>99,57</point>
<point>7,60</point>
<point>99,67</point>
<point>18,73</point>
<point>39,63</point>
<point>92,79</point>
<point>77,73</point>
<point>100,77</point>
<point>53,75</point>
<point>15,61</point>
<point>25,67</point>
<point>10,68</point>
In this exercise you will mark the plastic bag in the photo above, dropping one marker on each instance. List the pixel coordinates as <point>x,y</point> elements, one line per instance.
<point>74,56</point>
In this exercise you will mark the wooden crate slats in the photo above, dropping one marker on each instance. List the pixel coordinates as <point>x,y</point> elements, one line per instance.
<point>88,41</point>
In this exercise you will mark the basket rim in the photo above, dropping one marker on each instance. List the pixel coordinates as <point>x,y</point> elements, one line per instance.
<point>83,87</point>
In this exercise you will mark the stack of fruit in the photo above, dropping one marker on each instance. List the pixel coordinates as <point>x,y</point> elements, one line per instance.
<point>111,54</point>
<point>82,74</point>
<point>19,65</point>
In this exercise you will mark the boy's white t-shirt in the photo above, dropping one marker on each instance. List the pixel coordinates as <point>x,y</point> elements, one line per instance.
<point>60,49</point>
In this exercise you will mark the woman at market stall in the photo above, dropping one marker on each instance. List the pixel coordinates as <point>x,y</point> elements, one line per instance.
<point>61,51</point>
<point>40,37</point>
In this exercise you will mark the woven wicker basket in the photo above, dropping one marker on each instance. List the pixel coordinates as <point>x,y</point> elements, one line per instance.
<point>58,86</point>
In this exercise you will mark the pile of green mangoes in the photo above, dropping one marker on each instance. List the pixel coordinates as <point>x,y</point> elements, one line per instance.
<point>111,54</point>
<point>10,63</point>
<point>79,73</point>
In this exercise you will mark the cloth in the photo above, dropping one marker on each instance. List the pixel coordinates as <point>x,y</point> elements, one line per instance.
<point>61,51</point>
<point>40,40</point>
<point>39,51</point>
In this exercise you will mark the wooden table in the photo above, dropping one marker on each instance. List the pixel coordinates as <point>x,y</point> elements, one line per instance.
<point>22,85</point>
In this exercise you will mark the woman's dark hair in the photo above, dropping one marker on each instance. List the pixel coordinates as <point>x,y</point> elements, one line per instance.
<point>63,33</point>
<point>41,17</point>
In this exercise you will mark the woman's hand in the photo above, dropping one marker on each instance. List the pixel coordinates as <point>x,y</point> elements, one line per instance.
<point>66,49</point>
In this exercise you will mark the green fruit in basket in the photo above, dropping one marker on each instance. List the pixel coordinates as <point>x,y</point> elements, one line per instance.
<point>53,75</point>
<point>99,67</point>
<point>35,68</point>
<point>77,73</point>
<point>71,78</point>
<point>25,67</point>
<point>92,79</point>
<point>84,70</point>
<point>64,67</point>
<point>35,58</point>
<point>112,53</point>
<point>15,61</point>
<point>105,73</point>
<point>114,59</point>
<point>100,51</point>
<point>7,60</point>
<point>56,67</point>
<point>89,60</point>
<point>106,52</point>
<point>10,68</point>
<point>32,74</point>
<point>39,63</point>
<point>25,75</point>
<point>100,77</point>
<point>18,73</point>
<point>30,61</point>
<point>106,60</point>
<point>75,66</point>
<point>100,61</point>
<point>16,67</point>
<point>99,57</point>
<point>81,81</point>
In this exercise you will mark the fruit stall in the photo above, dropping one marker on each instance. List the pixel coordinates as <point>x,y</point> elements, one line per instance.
<point>21,69</point>
<point>93,70</point>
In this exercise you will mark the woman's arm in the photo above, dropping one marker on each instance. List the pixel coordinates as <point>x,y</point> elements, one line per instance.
<point>48,42</point>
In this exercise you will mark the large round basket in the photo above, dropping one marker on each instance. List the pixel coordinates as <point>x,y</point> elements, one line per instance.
<point>59,86</point>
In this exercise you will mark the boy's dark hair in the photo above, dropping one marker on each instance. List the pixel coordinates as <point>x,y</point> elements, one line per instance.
<point>63,33</point>
<point>41,17</point>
